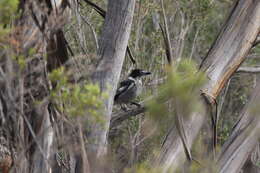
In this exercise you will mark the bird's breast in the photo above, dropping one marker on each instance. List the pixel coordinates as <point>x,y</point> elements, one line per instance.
<point>138,87</point>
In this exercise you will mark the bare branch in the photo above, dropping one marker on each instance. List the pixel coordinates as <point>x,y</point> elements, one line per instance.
<point>122,116</point>
<point>92,30</point>
<point>255,55</point>
<point>166,36</point>
<point>249,69</point>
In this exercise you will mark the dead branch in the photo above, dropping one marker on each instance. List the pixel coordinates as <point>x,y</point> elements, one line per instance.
<point>248,70</point>
<point>117,119</point>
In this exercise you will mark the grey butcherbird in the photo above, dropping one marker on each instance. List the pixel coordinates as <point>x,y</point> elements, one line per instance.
<point>130,88</point>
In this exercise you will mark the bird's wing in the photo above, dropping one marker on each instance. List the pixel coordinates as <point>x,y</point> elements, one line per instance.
<point>123,86</point>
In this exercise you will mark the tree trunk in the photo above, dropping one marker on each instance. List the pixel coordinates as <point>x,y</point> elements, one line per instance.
<point>226,54</point>
<point>44,141</point>
<point>244,137</point>
<point>111,55</point>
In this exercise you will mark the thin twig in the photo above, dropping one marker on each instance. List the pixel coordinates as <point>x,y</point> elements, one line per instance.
<point>92,30</point>
<point>194,42</point>
<point>248,70</point>
<point>166,36</point>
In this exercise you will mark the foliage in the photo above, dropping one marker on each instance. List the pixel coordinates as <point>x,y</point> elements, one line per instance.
<point>8,8</point>
<point>182,86</point>
<point>7,11</point>
<point>74,99</point>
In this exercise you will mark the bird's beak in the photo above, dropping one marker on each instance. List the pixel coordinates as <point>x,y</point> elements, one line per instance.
<point>144,73</point>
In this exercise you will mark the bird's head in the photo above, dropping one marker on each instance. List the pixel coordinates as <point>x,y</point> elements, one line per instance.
<point>139,73</point>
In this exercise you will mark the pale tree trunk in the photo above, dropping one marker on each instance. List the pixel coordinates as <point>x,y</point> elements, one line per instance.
<point>42,155</point>
<point>111,55</point>
<point>244,137</point>
<point>227,53</point>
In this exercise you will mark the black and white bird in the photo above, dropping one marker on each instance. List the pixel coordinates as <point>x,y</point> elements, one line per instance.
<point>130,88</point>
